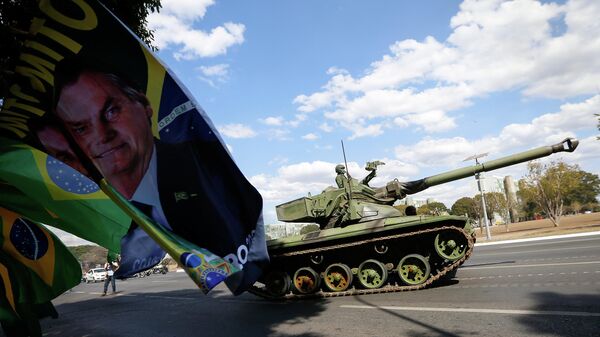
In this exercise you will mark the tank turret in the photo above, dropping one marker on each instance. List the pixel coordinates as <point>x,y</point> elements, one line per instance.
<point>354,201</point>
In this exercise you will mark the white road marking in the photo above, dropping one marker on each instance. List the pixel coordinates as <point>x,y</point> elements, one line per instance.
<point>520,252</point>
<point>510,276</point>
<point>531,265</point>
<point>478,310</point>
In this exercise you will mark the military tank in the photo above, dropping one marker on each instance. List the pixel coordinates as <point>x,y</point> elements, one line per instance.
<point>365,245</point>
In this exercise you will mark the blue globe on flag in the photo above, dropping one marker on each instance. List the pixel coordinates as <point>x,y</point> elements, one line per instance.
<point>69,179</point>
<point>28,239</point>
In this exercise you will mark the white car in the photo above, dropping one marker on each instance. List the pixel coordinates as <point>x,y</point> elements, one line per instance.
<point>94,275</point>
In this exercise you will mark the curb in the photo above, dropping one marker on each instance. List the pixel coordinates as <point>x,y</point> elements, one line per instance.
<point>541,238</point>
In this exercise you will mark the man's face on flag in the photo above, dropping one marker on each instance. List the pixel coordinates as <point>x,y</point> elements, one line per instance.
<point>58,147</point>
<point>112,129</point>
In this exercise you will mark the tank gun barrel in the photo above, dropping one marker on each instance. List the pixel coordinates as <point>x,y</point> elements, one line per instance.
<point>567,145</point>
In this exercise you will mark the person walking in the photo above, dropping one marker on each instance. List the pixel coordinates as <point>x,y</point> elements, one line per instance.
<point>111,265</point>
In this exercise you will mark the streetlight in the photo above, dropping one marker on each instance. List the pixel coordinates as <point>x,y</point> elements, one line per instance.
<point>479,185</point>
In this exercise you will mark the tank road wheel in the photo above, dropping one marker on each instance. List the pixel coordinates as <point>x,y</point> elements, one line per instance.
<point>372,274</point>
<point>306,280</point>
<point>449,245</point>
<point>278,283</point>
<point>338,277</point>
<point>413,269</point>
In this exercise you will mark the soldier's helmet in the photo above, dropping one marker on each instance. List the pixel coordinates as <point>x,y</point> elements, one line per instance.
<point>340,169</point>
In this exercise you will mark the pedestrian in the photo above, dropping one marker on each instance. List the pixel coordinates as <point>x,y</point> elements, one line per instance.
<point>111,265</point>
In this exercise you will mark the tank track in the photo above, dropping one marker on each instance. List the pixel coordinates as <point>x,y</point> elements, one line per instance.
<point>388,288</point>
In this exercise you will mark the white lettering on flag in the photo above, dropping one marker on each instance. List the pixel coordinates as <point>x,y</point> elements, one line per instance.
<point>178,110</point>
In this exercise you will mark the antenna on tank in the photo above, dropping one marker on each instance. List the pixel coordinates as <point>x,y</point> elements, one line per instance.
<point>347,171</point>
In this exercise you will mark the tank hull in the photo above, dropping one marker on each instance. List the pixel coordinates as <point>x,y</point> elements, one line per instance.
<point>386,255</point>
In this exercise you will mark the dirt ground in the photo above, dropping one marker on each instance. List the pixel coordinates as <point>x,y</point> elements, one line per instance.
<point>528,229</point>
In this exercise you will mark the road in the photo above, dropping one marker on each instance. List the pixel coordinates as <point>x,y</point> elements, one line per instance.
<point>537,288</point>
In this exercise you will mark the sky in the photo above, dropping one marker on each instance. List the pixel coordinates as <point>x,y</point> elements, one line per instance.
<point>419,85</point>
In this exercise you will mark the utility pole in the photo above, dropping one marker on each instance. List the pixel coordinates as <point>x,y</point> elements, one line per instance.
<point>485,217</point>
<point>480,186</point>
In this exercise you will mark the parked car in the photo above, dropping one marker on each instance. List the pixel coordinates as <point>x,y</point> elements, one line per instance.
<point>95,275</point>
<point>160,269</point>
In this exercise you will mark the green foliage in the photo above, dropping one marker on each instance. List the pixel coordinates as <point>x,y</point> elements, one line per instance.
<point>89,256</point>
<point>495,202</point>
<point>586,189</point>
<point>432,208</point>
<point>549,187</point>
<point>16,16</point>
<point>400,207</point>
<point>598,115</point>
<point>464,206</point>
<point>309,228</point>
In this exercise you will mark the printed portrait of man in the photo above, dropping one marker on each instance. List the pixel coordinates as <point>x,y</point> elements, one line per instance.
<point>186,187</point>
<point>52,138</point>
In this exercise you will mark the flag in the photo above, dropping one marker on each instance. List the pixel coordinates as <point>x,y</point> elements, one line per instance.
<point>35,267</point>
<point>49,191</point>
<point>93,97</point>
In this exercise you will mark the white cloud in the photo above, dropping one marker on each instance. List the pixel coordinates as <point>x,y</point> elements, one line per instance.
<point>539,49</point>
<point>293,181</point>
<point>310,136</point>
<point>278,160</point>
<point>174,28</point>
<point>218,70</point>
<point>359,130</point>
<point>69,239</point>
<point>544,130</point>
<point>302,178</point>
<point>326,127</point>
<point>279,134</point>
<point>298,119</point>
<point>236,131</point>
<point>218,73</point>
<point>273,121</point>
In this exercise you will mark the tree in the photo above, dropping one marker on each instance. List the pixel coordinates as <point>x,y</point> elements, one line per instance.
<point>586,190</point>
<point>432,208</point>
<point>578,188</point>
<point>309,228</point>
<point>546,185</point>
<point>16,16</point>
<point>464,206</point>
<point>495,202</point>
<point>401,208</point>
<point>598,115</point>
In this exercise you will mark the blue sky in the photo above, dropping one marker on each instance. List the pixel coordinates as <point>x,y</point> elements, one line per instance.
<point>420,85</point>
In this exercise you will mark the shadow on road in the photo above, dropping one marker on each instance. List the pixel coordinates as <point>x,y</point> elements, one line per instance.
<point>576,324</point>
<point>181,313</point>
<point>431,330</point>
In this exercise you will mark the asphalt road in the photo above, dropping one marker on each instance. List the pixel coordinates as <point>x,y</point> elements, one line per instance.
<point>537,288</point>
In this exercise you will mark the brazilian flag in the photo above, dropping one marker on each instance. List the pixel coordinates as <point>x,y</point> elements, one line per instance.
<point>49,191</point>
<point>35,267</point>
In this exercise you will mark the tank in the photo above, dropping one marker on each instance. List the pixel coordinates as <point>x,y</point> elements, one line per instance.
<point>365,245</point>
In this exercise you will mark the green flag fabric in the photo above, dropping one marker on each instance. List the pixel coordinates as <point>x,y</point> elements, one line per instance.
<point>35,267</point>
<point>46,190</point>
